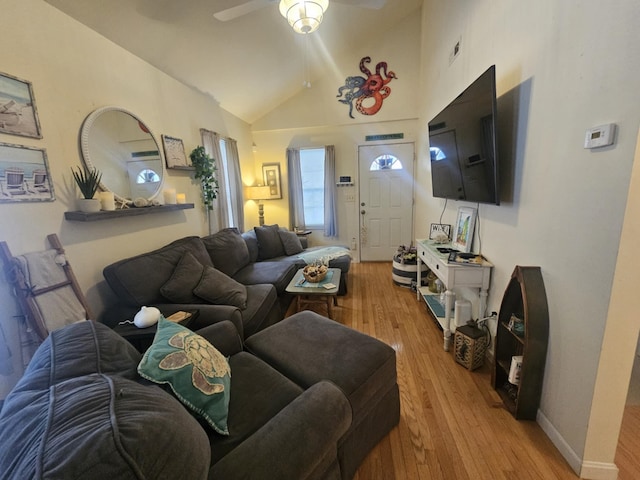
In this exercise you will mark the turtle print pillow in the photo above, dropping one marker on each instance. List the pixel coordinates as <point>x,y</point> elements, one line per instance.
<point>198,374</point>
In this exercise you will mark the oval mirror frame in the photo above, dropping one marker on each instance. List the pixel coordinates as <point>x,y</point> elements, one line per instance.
<point>116,175</point>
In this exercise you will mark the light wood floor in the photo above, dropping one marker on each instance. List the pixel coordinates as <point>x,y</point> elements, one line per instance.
<point>629,445</point>
<point>452,424</point>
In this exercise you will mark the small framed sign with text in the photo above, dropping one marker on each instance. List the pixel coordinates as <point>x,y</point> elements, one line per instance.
<point>438,229</point>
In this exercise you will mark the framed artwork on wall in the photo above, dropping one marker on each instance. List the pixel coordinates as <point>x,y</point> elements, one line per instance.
<point>271,177</point>
<point>24,174</point>
<point>18,113</point>
<point>174,153</point>
<point>463,229</point>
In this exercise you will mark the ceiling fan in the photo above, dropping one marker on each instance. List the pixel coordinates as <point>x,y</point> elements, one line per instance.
<point>253,5</point>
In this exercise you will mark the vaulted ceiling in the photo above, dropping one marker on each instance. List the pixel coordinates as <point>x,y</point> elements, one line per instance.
<point>249,64</point>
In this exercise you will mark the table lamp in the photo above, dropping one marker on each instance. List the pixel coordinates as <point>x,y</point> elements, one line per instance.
<point>258,193</point>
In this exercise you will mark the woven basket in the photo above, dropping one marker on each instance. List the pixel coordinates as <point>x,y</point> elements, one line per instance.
<point>470,347</point>
<point>309,276</point>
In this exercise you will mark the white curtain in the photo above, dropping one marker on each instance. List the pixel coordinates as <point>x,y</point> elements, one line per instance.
<point>211,144</point>
<point>234,206</point>
<point>229,207</point>
<point>330,193</point>
<point>296,204</point>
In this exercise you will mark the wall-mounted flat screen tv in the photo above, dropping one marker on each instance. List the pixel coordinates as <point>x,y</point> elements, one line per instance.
<point>462,139</point>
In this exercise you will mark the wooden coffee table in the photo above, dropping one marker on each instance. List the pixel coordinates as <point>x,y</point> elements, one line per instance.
<point>308,293</point>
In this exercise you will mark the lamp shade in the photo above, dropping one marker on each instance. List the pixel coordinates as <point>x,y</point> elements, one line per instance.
<point>257,193</point>
<point>304,16</point>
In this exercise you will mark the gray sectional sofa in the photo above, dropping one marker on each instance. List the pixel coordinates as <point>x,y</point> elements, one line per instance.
<point>225,276</point>
<point>307,399</point>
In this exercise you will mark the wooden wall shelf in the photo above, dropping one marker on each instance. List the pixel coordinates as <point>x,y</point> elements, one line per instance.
<point>78,216</point>
<point>526,298</point>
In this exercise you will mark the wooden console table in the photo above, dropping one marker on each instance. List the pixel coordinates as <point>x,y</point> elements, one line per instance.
<point>452,276</point>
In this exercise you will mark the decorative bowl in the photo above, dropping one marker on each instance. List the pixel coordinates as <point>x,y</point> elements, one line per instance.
<point>314,274</point>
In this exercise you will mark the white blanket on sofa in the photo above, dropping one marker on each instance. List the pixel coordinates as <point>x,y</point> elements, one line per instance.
<point>324,254</point>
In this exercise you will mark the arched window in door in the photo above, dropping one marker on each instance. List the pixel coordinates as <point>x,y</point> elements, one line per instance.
<point>385,162</point>
<point>436,154</point>
<point>147,176</point>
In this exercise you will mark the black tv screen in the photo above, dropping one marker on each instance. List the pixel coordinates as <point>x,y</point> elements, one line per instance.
<point>462,140</point>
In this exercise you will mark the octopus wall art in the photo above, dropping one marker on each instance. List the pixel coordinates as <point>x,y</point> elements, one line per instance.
<point>367,93</point>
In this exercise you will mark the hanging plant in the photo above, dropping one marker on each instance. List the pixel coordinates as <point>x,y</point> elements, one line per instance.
<point>205,171</point>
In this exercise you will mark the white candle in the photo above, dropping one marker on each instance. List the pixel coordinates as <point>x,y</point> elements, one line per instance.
<point>107,201</point>
<point>169,195</point>
<point>181,198</point>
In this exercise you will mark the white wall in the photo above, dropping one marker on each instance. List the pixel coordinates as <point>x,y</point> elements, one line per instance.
<point>74,71</point>
<point>561,68</point>
<point>315,118</point>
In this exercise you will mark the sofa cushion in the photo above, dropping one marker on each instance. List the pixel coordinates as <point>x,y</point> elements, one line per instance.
<point>259,393</point>
<point>365,368</point>
<point>228,250</point>
<point>251,241</point>
<point>269,243</point>
<point>217,288</point>
<point>198,374</point>
<point>278,274</point>
<point>185,277</point>
<point>290,242</point>
<point>261,301</point>
<point>77,413</point>
<point>137,280</point>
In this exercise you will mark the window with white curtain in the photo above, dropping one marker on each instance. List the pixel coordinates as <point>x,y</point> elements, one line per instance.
<point>312,164</point>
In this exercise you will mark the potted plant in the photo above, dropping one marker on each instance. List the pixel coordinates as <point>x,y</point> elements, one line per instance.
<point>205,171</point>
<point>88,182</point>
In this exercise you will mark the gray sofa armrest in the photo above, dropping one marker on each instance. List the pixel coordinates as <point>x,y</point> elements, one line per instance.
<point>224,336</point>
<point>294,442</point>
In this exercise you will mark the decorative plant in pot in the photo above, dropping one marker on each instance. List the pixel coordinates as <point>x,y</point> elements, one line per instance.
<point>205,171</point>
<point>88,182</point>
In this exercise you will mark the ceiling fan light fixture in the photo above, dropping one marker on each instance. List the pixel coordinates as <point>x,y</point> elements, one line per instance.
<point>304,16</point>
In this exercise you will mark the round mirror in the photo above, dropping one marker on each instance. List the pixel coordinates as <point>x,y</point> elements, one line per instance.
<point>117,143</point>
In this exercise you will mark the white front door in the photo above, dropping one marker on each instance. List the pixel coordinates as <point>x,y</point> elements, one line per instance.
<point>386,199</point>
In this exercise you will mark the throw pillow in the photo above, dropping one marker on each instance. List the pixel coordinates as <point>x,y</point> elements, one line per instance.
<point>227,250</point>
<point>251,240</point>
<point>185,277</point>
<point>198,374</point>
<point>269,243</point>
<point>290,242</point>
<point>217,288</point>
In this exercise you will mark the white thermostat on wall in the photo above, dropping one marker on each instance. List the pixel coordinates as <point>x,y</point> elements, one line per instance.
<point>600,136</point>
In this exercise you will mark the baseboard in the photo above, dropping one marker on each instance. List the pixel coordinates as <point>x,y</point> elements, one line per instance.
<point>586,470</point>
<point>574,461</point>
<point>599,471</point>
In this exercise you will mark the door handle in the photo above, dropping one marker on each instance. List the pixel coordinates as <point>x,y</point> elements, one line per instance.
<point>363,212</point>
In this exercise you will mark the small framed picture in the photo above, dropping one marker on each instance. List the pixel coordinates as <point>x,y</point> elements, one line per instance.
<point>18,113</point>
<point>24,174</point>
<point>438,231</point>
<point>174,153</point>
<point>463,229</point>
<point>271,177</point>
